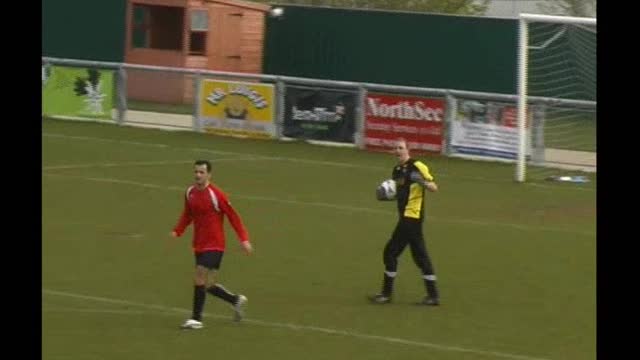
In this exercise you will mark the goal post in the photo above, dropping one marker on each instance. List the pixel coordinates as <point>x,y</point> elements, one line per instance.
<point>565,74</point>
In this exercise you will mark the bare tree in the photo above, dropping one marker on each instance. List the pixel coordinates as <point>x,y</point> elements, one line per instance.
<point>580,8</point>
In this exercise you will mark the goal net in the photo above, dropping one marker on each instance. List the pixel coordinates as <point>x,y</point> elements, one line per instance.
<point>557,74</point>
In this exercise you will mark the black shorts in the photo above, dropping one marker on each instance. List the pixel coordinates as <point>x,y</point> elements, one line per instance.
<point>209,259</point>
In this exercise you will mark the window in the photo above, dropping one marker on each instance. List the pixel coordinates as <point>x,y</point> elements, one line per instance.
<point>198,32</point>
<point>199,20</point>
<point>140,26</point>
<point>157,27</point>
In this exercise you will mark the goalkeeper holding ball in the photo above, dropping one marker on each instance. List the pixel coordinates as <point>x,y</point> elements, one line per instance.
<point>411,179</point>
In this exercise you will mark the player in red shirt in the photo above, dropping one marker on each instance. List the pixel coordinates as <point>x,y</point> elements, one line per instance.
<point>206,205</point>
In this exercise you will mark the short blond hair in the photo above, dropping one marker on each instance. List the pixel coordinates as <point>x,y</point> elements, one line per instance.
<point>401,139</point>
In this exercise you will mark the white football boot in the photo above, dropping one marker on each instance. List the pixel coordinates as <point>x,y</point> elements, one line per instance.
<point>192,324</point>
<point>237,308</point>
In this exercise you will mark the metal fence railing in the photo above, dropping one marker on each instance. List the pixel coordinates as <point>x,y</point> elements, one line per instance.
<point>309,109</point>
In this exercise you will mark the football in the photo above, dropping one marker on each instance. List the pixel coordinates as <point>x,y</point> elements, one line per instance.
<point>386,190</point>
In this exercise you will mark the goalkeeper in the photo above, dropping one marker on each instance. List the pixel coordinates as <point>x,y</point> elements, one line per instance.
<point>412,177</point>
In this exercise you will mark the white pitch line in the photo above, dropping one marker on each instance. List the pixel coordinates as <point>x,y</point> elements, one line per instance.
<point>142,163</point>
<point>64,136</point>
<point>298,160</point>
<point>104,311</point>
<point>291,159</point>
<point>297,327</point>
<point>576,187</point>
<point>334,206</point>
<point>132,163</point>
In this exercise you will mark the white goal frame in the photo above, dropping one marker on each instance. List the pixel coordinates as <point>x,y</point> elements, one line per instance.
<point>523,62</point>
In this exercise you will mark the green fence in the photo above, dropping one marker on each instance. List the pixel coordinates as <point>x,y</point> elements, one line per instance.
<point>427,50</point>
<point>81,29</point>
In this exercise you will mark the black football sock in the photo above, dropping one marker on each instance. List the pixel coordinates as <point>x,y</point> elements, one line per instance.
<point>219,291</point>
<point>430,285</point>
<point>199,296</point>
<point>387,284</point>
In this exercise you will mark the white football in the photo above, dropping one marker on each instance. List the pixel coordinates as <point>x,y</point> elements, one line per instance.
<point>386,190</point>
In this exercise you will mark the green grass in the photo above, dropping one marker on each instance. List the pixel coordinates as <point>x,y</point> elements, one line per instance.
<point>515,262</point>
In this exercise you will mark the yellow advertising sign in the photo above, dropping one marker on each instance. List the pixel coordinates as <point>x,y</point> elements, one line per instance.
<point>237,108</point>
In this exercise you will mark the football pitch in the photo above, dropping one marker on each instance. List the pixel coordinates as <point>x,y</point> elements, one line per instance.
<point>516,263</point>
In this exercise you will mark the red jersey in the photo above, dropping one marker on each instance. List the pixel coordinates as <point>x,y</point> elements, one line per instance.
<point>206,208</point>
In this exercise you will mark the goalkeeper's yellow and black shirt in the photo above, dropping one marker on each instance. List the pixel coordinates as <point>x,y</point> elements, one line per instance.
<point>409,189</point>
